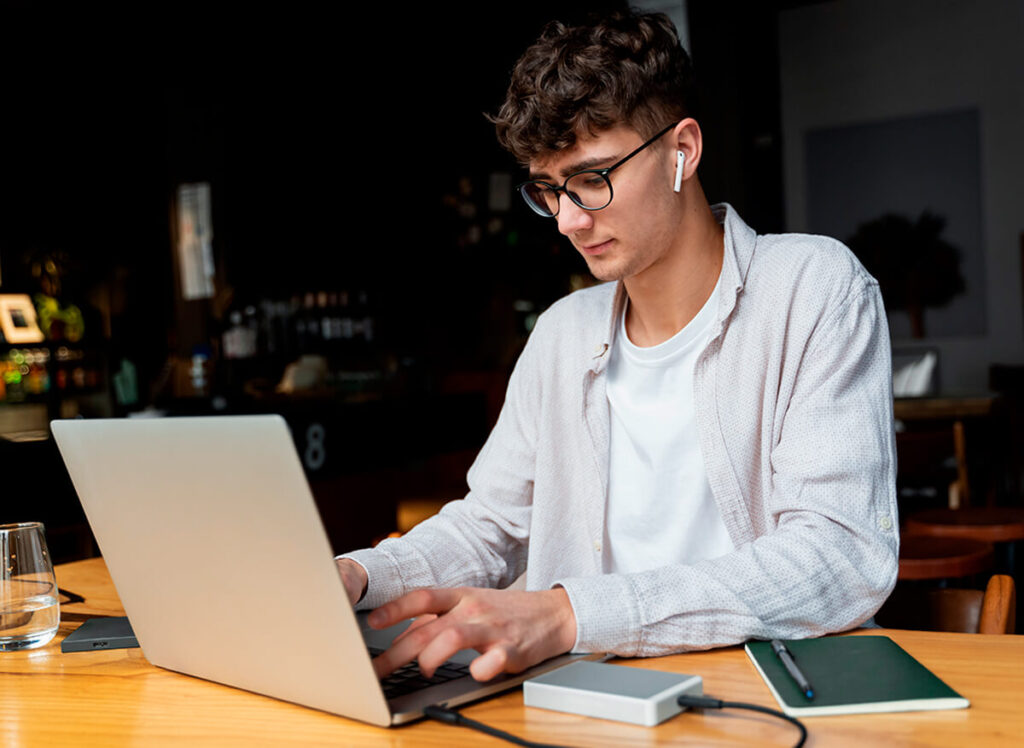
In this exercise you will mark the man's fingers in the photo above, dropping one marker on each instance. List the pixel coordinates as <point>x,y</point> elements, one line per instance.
<point>512,630</point>
<point>490,664</point>
<point>449,640</point>
<point>431,646</point>
<point>413,605</point>
<point>404,649</point>
<point>423,620</point>
<point>382,666</point>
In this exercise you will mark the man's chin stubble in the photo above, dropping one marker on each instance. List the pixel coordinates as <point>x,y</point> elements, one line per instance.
<point>607,271</point>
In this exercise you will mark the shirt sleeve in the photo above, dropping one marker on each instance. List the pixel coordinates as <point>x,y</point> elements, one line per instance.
<point>831,558</point>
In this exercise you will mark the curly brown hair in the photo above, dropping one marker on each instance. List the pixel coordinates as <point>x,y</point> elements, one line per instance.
<point>626,68</point>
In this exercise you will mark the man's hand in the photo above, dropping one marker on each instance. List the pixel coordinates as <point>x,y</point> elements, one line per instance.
<point>511,629</point>
<point>354,577</point>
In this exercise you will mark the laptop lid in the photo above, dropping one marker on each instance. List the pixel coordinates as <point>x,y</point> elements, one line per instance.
<point>215,546</point>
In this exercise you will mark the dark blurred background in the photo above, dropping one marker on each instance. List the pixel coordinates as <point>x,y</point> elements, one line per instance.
<point>362,223</point>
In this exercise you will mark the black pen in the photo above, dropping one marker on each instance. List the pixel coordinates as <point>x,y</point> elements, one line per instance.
<point>788,661</point>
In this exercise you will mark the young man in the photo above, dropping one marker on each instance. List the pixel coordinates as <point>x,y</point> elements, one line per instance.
<point>696,453</point>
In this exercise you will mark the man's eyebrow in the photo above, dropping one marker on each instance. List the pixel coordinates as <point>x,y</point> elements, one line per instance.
<point>588,163</point>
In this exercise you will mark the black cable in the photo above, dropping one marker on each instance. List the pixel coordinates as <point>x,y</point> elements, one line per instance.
<point>452,717</point>
<point>704,702</point>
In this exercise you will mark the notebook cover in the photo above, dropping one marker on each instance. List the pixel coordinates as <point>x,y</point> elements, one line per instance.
<point>852,675</point>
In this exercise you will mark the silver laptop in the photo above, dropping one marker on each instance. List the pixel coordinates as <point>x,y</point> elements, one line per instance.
<point>215,546</point>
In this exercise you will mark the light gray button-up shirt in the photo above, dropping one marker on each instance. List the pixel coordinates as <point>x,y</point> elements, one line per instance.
<point>793,396</point>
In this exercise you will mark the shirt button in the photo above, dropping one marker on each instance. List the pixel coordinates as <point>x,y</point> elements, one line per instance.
<point>885,523</point>
<point>597,547</point>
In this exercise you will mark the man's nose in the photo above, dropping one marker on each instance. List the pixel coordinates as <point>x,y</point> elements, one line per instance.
<point>571,217</point>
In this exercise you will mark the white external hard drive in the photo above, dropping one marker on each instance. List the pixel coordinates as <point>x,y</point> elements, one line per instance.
<point>626,694</point>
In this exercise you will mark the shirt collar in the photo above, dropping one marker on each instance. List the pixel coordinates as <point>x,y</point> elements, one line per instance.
<point>740,240</point>
<point>739,251</point>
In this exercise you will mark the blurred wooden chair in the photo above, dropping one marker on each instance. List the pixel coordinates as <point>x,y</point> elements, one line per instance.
<point>973,611</point>
<point>998,606</point>
<point>962,610</point>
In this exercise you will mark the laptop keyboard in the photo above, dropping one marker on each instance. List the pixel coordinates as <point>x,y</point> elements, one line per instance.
<point>408,678</point>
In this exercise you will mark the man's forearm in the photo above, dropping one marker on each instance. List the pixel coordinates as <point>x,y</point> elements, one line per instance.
<point>804,581</point>
<point>452,549</point>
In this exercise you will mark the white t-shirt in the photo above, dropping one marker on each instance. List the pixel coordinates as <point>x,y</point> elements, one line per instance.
<point>660,506</point>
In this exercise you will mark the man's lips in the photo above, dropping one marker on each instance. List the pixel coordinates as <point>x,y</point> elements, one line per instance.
<point>595,248</point>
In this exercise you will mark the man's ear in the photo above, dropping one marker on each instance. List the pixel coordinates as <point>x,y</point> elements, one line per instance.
<point>689,143</point>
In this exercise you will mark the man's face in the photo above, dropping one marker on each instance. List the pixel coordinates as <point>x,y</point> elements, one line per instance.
<point>635,231</point>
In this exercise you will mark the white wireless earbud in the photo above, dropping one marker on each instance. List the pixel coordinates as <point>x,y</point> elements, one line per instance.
<point>680,162</point>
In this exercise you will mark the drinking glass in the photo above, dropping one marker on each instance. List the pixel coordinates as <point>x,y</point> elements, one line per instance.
<point>29,611</point>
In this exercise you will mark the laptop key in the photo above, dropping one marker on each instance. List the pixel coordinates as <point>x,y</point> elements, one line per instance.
<point>448,672</point>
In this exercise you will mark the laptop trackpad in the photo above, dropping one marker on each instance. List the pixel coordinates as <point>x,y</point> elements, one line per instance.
<point>382,638</point>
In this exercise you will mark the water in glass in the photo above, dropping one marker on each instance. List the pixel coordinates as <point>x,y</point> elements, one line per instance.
<point>29,611</point>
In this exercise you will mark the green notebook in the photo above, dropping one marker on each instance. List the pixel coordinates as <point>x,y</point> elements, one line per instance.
<point>852,675</point>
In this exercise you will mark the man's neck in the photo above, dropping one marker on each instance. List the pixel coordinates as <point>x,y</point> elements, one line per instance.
<point>665,297</point>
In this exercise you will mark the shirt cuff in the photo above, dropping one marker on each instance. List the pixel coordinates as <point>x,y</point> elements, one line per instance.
<point>602,626</point>
<point>382,578</point>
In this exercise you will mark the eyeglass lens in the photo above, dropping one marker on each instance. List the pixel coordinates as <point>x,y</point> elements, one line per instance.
<point>587,189</point>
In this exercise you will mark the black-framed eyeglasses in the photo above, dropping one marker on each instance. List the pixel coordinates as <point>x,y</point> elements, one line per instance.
<point>591,189</point>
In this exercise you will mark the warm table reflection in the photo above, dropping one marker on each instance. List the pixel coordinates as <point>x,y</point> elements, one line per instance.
<point>117,697</point>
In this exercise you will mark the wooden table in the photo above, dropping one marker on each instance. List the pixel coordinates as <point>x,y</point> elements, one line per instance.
<point>948,407</point>
<point>988,524</point>
<point>923,557</point>
<point>116,697</point>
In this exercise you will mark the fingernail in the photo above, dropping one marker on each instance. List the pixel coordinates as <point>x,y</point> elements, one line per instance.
<point>376,618</point>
